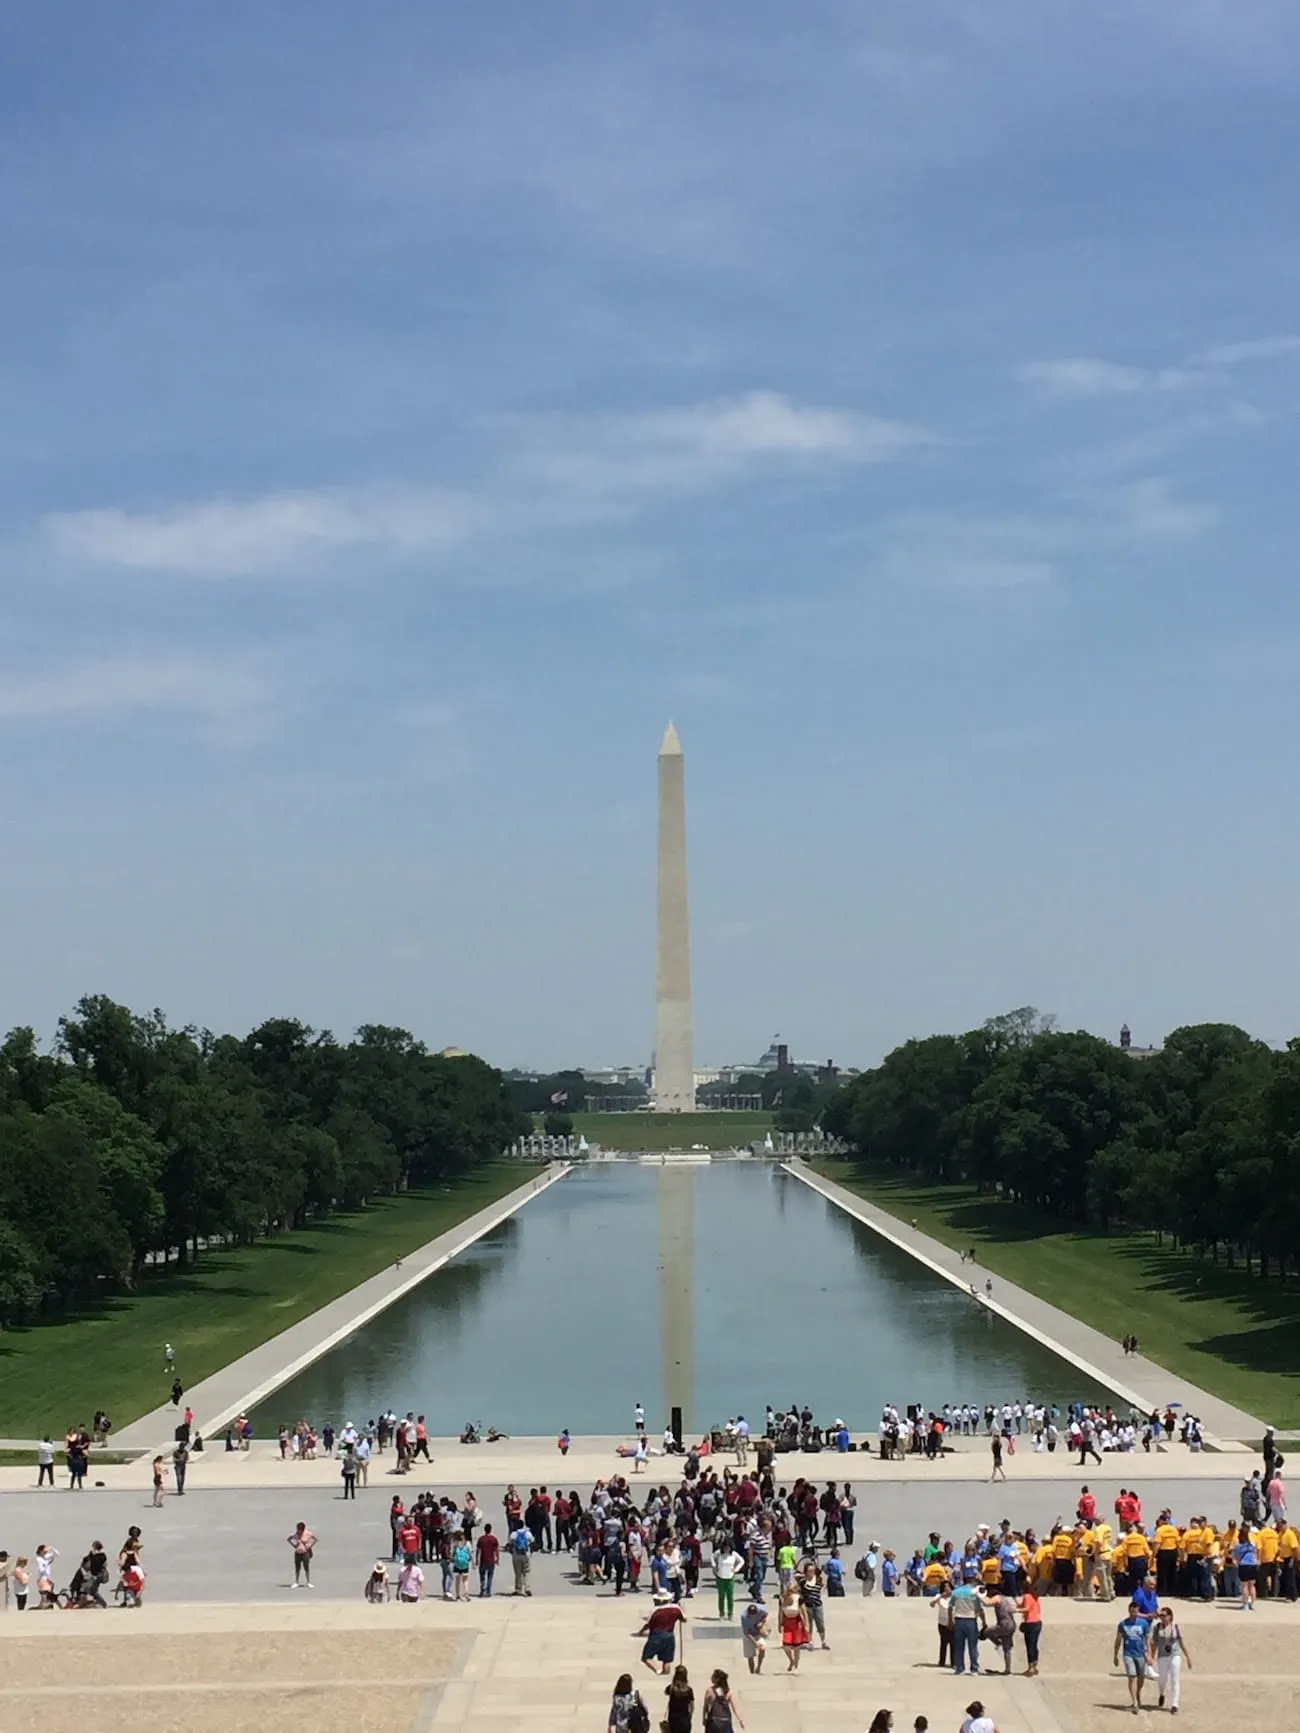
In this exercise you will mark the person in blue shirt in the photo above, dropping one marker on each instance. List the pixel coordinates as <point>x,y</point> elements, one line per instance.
<point>1009,1559</point>
<point>888,1574</point>
<point>834,1573</point>
<point>914,1571</point>
<point>1133,1644</point>
<point>1246,1554</point>
<point>1145,1598</point>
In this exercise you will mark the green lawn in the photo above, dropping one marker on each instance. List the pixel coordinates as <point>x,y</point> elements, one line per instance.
<point>655,1131</point>
<point>111,1355</point>
<point>1234,1335</point>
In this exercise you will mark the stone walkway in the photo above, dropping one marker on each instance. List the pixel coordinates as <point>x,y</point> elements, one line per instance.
<point>512,1666</point>
<point>216,1401</point>
<point>1130,1376</point>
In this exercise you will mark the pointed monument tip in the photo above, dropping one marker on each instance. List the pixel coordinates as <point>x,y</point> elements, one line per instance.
<point>672,746</point>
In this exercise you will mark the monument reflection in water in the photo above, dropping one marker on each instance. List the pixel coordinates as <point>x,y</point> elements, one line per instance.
<point>718,1286</point>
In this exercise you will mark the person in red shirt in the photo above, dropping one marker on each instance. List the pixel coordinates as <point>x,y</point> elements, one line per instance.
<point>488,1551</point>
<point>1087,1511</point>
<point>396,1520</point>
<point>408,1538</point>
<point>544,1508</point>
<point>660,1633</point>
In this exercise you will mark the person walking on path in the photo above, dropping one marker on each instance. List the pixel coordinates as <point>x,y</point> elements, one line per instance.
<point>180,1466</point>
<point>681,1702</point>
<point>726,1562</point>
<point>968,1624</point>
<point>943,1617</point>
<point>1133,1645</point>
<point>753,1635</point>
<point>627,1709</point>
<point>157,1482</point>
<point>303,1542</point>
<point>348,1469</point>
<point>521,1558</point>
<point>848,1512</point>
<point>995,1445</point>
<point>660,1633</point>
<point>487,1552</point>
<point>1170,1652</point>
<point>810,1593</point>
<point>721,1710</point>
<point>45,1461</point>
<point>178,1390</point>
<point>794,1629</point>
<point>1031,1629</point>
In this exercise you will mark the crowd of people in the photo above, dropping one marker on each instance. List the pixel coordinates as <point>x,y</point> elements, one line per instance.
<point>32,1581</point>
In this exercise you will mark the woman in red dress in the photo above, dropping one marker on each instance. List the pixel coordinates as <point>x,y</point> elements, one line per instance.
<point>794,1628</point>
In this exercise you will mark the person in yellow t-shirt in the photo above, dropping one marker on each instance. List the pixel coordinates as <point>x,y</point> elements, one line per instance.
<point>1042,1572</point>
<point>1267,1546</point>
<point>1288,1560</point>
<point>1166,1541</point>
<point>1137,1559</point>
<point>1062,1562</point>
<point>990,1570</point>
<point>934,1576</point>
<point>1103,1546</point>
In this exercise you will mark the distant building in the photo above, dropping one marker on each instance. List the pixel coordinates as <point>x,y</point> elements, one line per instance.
<point>1126,1045</point>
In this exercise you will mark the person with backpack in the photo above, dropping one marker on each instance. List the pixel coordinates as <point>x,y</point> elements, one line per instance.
<point>627,1710</point>
<point>721,1710</point>
<point>521,1558</point>
<point>865,1569</point>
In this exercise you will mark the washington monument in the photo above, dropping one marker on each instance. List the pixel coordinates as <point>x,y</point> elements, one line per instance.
<point>674,1060</point>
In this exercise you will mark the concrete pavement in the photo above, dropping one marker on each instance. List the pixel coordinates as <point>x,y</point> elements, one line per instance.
<point>548,1666</point>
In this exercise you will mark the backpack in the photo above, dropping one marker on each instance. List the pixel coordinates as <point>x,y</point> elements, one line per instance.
<point>638,1717</point>
<point>522,1541</point>
<point>460,1556</point>
<point>861,1571</point>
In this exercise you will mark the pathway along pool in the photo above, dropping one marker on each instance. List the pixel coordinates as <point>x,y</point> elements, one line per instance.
<point>718,1286</point>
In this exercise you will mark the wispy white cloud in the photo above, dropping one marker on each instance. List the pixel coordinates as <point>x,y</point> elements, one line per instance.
<point>1279,348</point>
<point>711,443</point>
<point>1083,376</point>
<point>1093,376</point>
<point>547,470</point>
<point>275,533</point>
<point>231,699</point>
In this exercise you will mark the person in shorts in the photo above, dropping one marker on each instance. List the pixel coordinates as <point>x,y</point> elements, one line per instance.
<point>660,1633</point>
<point>753,1634</point>
<point>1133,1647</point>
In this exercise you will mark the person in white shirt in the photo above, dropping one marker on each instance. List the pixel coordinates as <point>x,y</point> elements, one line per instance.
<point>45,1461</point>
<point>638,1418</point>
<point>976,1720</point>
<point>361,1455</point>
<point>410,1584</point>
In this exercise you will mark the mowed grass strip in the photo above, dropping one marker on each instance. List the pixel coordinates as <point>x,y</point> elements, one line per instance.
<point>1234,1335</point>
<point>660,1131</point>
<point>110,1355</point>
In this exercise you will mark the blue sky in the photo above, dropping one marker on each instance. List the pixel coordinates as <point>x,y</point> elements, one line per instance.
<point>405,410</point>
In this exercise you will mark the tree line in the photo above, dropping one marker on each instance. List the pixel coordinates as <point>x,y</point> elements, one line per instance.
<point>1200,1140</point>
<point>134,1141</point>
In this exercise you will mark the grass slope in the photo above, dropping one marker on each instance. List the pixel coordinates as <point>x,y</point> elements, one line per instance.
<point>1234,1335</point>
<point>655,1131</point>
<point>111,1355</point>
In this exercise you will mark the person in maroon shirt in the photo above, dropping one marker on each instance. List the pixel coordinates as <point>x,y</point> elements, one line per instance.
<point>488,1551</point>
<point>1087,1511</point>
<point>660,1633</point>
<point>408,1538</point>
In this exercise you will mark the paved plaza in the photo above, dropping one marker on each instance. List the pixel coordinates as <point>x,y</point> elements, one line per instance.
<point>548,1665</point>
<point>226,1539</point>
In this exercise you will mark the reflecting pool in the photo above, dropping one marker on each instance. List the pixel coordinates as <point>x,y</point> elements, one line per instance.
<point>718,1286</point>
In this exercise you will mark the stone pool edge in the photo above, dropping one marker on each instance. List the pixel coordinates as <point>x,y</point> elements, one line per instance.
<point>1221,1421</point>
<point>259,1373</point>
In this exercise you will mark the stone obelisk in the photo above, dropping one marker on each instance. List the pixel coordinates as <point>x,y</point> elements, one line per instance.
<point>674,1058</point>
